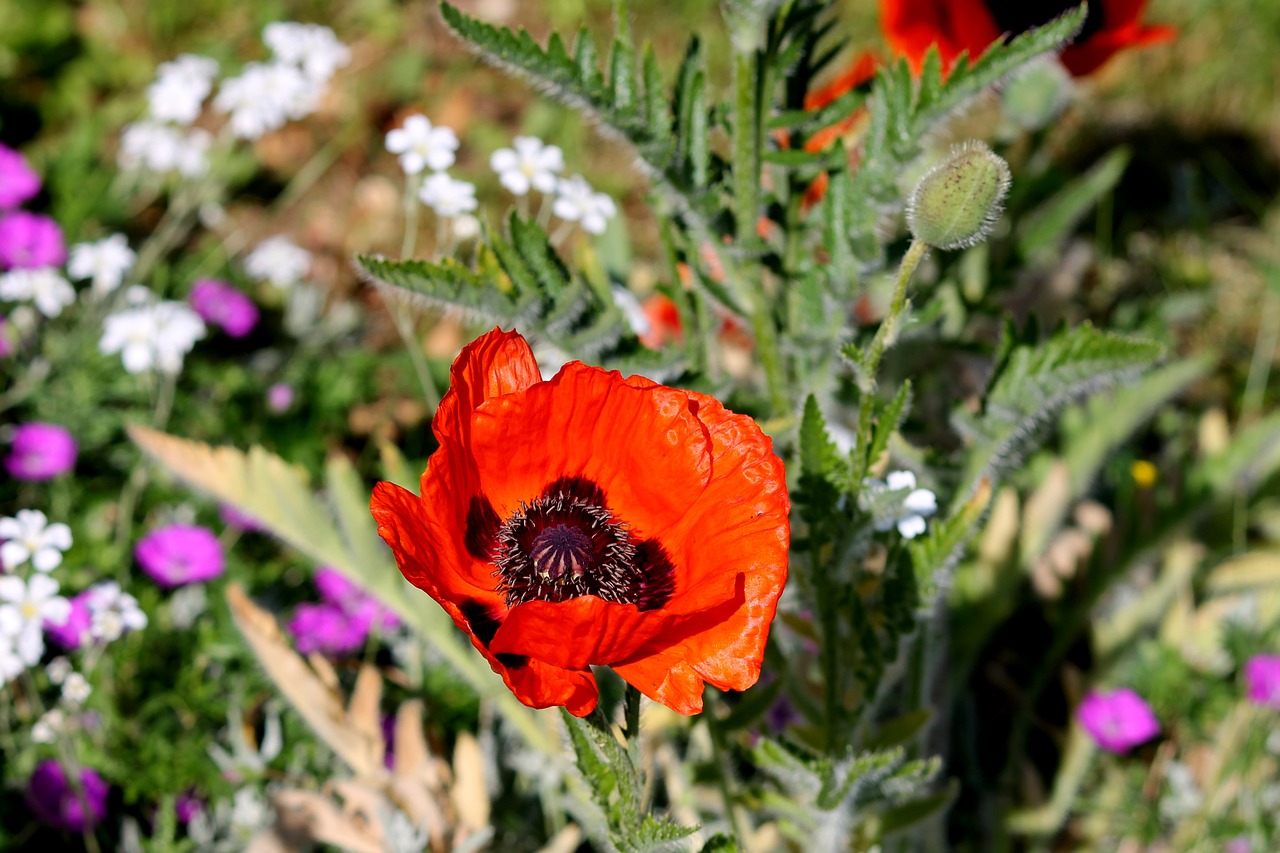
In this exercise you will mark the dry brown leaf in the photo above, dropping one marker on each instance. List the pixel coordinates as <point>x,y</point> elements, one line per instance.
<point>412,752</point>
<point>364,712</point>
<point>469,793</point>
<point>318,704</point>
<point>320,819</point>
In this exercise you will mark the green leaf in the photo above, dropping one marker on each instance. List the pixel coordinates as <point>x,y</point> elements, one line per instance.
<point>447,284</point>
<point>898,731</point>
<point>913,812</point>
<point>1035,384</point>
<point>720,843</point>
<point>936,553</point>
<point>1042,230</point>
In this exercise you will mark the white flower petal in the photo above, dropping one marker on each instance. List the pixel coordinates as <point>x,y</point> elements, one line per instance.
<point>46,560</point>
<point>13,589</point>
<point>13,554</point>
<point>911,526</point>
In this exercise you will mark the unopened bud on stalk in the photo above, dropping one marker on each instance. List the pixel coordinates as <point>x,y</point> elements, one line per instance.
<point>955,205</point>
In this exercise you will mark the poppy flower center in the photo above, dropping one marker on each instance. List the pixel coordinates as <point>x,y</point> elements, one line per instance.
<point>1018,16</point>
<point>567,543</point>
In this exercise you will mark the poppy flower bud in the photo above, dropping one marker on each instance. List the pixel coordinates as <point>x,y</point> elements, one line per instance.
<point>955,205</point>
<point>1035,95</point>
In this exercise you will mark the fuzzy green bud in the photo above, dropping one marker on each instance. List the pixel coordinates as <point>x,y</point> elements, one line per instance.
<point>955,205</point>
<point>1035,95</point>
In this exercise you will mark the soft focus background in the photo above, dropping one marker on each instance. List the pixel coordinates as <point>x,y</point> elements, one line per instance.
<point>1185,249</point>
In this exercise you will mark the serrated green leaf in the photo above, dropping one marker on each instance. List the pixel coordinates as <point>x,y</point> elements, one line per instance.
<point>447,284</point>
<point>909,814</point>
<point>936,553</point>
<point>1036,383</point>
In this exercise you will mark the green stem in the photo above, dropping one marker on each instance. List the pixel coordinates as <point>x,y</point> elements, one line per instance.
<point>766,334</point>
<point>888,328</point>
<point>748,139</point>
<point>721,759</point>
<point>403,322</point>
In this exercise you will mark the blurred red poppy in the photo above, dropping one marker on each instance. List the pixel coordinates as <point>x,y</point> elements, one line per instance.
<point>911,26</point>
<point>592,520</point>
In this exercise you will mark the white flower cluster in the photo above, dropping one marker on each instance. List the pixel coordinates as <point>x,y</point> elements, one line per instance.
<point>531,164</point>
<point>165,143</point>
<point>577,202</point>
<point>267,95</point>
<point>918,504</point>
<point>104,263</point>
<point>278,261</point>
<point>30,599</point>
<point>151,335</point>
<point>44,287</point>
<point>152,146</point>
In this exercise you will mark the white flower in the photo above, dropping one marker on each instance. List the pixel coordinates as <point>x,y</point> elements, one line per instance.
<point>916,506</point>
<point>46,728</point>
<point>311,47</point>
<point>422,146</point>
<point>446,196</point>
<point>577,202</point>
<point>28,605</point>
<point>266,96</point>
<point>29,536</point>
<point>43,285</point>
<point>528,163</point>
<point>58,670</point>
<point>112,612</point>
<point>180,88</point>
<point>278,260</point>
<point>159,148</point>
<point>76,689</point>
<point>151,337</point>
<point>466,227</point>
<point>104,262</point>
<point>178,328</point>
<point>11,665</point>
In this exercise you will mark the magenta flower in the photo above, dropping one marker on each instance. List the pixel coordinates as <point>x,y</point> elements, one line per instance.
<point>180,554</point>
<point>224,306</point>
<point>53,800</point>
<point>29,240</point>
<point>1119,720</point>
<point>40,452</point>
<point>328,629</point>
<point>279,398</point>
<point>233,517</point>
<point>73,633</point>
<point>340,592</point>
<point>18,181</point>
<point>1262,678</point>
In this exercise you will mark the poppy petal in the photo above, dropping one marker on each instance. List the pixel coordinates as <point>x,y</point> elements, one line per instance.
<point>494,364</point>
<point>666,678</point>
<point>642,445</point>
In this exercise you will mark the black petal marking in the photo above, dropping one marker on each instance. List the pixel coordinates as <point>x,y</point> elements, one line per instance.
<point>1018,16</point>
<point>481,535</point>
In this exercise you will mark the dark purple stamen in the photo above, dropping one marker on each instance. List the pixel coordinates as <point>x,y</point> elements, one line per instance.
<point>567,543</point>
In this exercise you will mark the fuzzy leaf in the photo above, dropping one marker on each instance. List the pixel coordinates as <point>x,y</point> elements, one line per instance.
<point>1035,384</point>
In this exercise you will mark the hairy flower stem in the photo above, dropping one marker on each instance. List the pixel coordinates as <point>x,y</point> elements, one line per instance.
<point>888,328</point>
<point>403,322</point>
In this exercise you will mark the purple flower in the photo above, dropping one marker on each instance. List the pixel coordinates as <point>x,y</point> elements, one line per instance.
<point>279,398</point>
<point>328,629</point>
<point>29,240</point>
<point>55,801</point>
<point>18,181</point>
<point>233,517</point>
<point>180,554</point>
<point>1262,677</point>
<point>73,633</point>
<point>1119,720</point>
<point>186,806</point>
<point>40,452</point>
<point>337,590</point>
<point>224,306</point>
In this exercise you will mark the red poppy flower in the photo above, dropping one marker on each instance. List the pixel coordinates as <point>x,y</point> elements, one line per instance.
<point>594,520</point>
<point>911,26</point>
